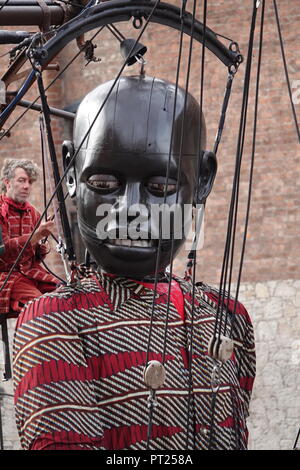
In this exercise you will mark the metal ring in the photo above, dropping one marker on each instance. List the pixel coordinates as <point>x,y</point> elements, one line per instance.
<point>137,22</point>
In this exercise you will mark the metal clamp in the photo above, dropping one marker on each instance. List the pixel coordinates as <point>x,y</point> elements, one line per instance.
<point>216,378</point>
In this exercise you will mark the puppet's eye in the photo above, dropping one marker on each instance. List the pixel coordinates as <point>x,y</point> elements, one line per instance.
<point>104,182</point>
<point>157,186</point>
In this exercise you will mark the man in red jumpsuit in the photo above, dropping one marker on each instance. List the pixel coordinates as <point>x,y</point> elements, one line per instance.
<point>18,218</point>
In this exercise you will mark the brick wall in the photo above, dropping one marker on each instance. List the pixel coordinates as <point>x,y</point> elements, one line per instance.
<point>273,232</point>
<point>271,269</point>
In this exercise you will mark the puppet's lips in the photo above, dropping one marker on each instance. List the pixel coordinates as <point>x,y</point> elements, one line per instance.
<point>133,243</point>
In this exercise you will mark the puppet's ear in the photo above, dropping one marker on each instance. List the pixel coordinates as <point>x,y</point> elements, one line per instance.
<point>207,172</point>
<point>67,154</point>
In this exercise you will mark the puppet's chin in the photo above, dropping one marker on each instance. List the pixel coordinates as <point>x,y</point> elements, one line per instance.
<point>132,261</point>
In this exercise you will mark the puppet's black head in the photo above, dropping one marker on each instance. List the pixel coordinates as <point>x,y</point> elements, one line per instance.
<point>120,172</point>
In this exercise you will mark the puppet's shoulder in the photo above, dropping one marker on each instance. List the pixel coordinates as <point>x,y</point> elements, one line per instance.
<point>65,301</point>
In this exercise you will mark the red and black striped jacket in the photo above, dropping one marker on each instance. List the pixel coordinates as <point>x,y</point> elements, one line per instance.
<point>79,356</point>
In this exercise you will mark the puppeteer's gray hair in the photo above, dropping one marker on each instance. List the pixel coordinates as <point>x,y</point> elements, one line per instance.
<point>10,164</point>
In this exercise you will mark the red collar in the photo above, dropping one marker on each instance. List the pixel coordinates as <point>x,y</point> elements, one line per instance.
<point>21,206</point>
<point>7,203</point>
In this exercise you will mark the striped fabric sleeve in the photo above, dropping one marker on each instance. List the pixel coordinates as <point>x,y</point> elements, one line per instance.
<point>55,402</point>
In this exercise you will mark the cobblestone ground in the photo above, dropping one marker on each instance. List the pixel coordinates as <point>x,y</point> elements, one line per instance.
<point>275,406</point>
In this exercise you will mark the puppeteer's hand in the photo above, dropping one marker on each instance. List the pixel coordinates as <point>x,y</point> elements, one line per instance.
<point>43,231</point>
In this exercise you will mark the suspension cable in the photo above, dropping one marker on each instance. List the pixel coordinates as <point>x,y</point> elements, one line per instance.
<point>194,249</point>
<point>230,238</point>
<point>160,225</point>
<point>252,152</point>
<point>232,217</point>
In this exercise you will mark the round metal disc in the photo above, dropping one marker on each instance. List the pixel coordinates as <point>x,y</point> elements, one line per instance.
<point>154,375</point>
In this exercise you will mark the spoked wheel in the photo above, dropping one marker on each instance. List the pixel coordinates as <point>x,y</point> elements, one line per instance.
<point>136,20</point>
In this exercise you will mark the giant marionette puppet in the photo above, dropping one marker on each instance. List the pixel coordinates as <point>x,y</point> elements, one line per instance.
<point>118,360</point>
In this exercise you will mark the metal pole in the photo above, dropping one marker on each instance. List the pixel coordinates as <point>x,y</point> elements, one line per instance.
<point>30,13</point>
<point>63,212</point>
<point>53,111</point>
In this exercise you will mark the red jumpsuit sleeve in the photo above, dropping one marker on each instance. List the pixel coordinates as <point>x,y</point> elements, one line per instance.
<point>13,246</point>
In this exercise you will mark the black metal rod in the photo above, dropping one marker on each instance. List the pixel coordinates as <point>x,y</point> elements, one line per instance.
<point>13,37</point>
<point>60,196</point>
<point>53,111</point>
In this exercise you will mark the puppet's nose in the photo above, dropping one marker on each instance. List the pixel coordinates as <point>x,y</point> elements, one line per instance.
<point>130,208</point>
<point>130,200</point>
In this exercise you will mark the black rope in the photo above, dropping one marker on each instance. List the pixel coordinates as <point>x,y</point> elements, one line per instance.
<point>252,153</point>
<point>296,441</point>
<point>179,166</point>
<point>1,431</point>
<point>160,227</point>
<point>194,252</point>
<point>223,111</point>
<point>232,217</point>
<point>53,274</point>
<point>286,69</point>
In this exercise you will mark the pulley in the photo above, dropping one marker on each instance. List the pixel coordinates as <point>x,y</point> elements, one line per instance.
<point>132,51</point>
<point>220,348</point>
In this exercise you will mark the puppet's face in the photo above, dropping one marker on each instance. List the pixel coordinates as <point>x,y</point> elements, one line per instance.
<point>120,200</point>
<point>125,204</point>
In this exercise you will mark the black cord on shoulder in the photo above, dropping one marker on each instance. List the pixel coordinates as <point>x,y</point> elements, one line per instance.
<point>53,274</point>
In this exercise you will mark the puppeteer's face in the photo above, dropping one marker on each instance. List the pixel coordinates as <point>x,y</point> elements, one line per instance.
<point>19,186</point>
<point>124,206</point>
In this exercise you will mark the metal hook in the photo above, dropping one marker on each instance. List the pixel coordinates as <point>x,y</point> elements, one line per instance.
<point>216,377</point>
